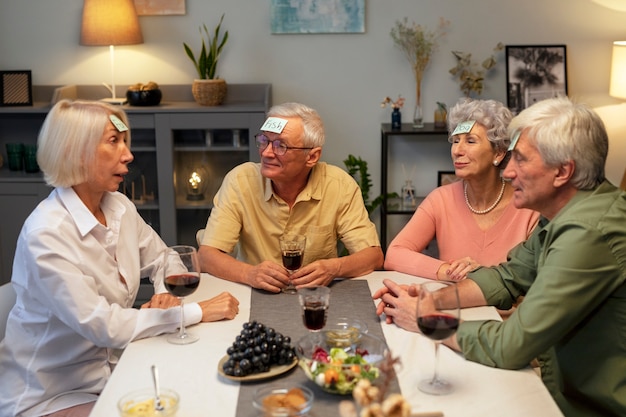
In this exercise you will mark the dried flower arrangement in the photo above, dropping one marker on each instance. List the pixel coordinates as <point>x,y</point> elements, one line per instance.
<point>418,44</point>
<point>393,104</point>
<point>470,75</point>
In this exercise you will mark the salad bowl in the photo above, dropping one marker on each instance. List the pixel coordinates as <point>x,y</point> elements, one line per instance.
<point>337,364</point>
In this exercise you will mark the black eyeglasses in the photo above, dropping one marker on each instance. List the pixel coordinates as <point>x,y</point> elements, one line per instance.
<point>279,148</point>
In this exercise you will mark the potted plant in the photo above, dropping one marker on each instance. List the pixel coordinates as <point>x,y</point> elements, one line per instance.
<point>208,89</point>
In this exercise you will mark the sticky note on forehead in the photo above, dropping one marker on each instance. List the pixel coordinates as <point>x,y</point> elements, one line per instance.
<point>514,140</point>
<point>117,122</point>
<point>274,124</point>
<point>464,127</point>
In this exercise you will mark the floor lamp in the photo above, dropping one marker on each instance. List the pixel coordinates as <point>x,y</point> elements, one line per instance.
<point>110,22</point>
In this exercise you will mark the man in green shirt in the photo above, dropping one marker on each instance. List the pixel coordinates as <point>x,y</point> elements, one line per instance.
<point>571,271</point>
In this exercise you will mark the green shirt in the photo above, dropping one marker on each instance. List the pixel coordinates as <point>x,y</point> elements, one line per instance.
<point>571,271</point>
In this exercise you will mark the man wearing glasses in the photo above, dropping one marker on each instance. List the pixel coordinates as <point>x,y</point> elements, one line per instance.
<point>289,191</point>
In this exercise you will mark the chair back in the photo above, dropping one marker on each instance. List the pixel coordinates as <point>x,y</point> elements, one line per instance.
<point>7,300</point>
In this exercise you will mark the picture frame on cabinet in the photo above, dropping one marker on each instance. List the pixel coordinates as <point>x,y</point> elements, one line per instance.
<point>446,177</point>
<point>534,73</point>
<point>16,88</point>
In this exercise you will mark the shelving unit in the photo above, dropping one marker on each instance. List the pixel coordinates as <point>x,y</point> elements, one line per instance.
<point>418,136</point>
<point>166,141</point>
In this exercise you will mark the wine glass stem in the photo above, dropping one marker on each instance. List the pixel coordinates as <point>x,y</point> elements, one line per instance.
<point>436,373</point>
<point>181,331</point>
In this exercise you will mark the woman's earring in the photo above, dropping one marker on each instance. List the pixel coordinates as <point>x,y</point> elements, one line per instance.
<point>496,163</point>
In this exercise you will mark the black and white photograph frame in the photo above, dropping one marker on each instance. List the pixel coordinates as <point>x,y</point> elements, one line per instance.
<point>534,73</point>
<point>16,88</point>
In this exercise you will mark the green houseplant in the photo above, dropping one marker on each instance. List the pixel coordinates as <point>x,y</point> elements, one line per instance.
<point>208,89</point>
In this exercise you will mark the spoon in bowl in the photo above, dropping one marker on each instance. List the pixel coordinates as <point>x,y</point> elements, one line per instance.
<point>157,392</point>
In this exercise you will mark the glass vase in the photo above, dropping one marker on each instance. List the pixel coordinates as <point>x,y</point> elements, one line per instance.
<point>418,115</point>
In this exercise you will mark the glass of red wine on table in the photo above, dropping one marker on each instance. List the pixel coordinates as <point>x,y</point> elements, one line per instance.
<point>314,302</point>
<point>437,319</point>
<point>182,277</point>
<point>292,248</point>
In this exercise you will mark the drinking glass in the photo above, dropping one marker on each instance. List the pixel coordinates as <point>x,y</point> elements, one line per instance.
<point>182,277</point>
<point>314,302</point>
<point>437,318</point>
<point>292,249</point>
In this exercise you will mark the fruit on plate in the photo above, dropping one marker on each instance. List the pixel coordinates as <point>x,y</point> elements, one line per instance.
<point>256,349</point>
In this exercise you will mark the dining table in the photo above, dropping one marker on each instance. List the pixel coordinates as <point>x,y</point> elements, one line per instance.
<point>192,370</point>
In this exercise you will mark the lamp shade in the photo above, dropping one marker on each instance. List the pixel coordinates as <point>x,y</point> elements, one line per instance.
<point>618,70</point>
<point>110,22</point>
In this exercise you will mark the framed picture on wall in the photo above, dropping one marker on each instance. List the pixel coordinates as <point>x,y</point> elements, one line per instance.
<point>446,177</point>
<point>318,16</point>
<point>534,73</point>
<point>160,7</point>
<point>16,88</point>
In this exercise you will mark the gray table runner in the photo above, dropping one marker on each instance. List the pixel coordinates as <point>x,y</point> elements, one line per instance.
<point>349,298</point>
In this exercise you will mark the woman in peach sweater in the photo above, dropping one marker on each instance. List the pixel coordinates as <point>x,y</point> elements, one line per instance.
<point>473,220</point>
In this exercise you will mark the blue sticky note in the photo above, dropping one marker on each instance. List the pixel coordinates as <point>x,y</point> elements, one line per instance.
<point>464,127</point>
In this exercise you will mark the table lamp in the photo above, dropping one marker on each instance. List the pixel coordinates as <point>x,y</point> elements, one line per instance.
<point>110,22</point>
<point>618,70</point>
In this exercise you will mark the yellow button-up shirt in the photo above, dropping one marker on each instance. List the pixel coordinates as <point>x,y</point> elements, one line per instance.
<point>248,212</point>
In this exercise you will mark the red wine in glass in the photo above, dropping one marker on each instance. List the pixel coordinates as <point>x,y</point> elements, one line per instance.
<point>292,259</point>
<point>438,326</point>
<point>314,315</point>
<point>182,285</point>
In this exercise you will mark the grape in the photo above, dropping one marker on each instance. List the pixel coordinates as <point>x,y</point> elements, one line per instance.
<point>256,348</point>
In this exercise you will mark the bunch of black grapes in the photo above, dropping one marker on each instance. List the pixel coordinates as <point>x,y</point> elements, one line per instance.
<point>256,349</point>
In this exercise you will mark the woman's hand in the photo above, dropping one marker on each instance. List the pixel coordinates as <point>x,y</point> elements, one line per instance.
<point>456,270</point>
<point>220,307</point>
<point>163,300</point>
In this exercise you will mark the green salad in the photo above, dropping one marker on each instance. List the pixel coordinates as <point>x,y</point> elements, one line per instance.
<point>339,371</point>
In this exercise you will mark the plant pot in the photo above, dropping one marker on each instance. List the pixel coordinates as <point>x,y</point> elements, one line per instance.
<point>209,92</point>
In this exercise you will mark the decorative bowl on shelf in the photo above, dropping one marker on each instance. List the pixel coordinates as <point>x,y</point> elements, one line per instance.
<point>337,361</point>
<point>144,94</point>
<point>283,401</point>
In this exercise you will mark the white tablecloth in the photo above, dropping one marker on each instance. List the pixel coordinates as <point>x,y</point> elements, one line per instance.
<point>192,370</point>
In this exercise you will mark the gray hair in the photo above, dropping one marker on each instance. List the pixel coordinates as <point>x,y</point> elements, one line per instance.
<point>69,137</point>
<point>311,121</point>
<point>566,131</point>
<point>493,115</point>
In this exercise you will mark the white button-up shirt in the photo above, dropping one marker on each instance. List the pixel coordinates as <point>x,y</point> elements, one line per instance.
<point>76,281</point>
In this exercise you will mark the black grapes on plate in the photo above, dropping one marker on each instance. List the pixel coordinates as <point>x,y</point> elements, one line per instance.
<point>256,349</point>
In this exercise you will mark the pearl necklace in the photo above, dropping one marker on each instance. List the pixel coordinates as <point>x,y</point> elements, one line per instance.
<point>488,209</point>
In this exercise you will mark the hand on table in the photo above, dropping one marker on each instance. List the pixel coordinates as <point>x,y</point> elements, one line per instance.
<point>268,276</point>
<point>399,303</point>
<point>321,272</point>
<point>456,270</point>
<point>222,306</point>
<point>163,300</point>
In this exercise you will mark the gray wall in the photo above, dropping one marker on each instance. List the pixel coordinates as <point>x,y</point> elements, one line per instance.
<point>344,76</point>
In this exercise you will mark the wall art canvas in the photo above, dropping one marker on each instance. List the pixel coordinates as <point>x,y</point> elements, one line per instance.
<point>317,16</point>
<point>446,177</point>
<point>534,73</point>
<point>160,7</point>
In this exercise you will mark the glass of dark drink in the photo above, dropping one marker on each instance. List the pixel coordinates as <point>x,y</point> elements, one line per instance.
<point>437,318</point>
<point>314,302</point>
<point>182,277</point>
<point>292,249</point>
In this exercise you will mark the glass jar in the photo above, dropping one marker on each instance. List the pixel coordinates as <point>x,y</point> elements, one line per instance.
<point>408,195</point>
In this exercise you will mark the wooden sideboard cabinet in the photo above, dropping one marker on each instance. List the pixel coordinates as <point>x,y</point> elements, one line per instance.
<point>170,142</point>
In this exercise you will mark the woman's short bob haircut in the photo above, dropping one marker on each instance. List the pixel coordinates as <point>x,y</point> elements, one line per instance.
<point>566,131</point>
<point>493,115</point>
<point>68,139</point>
<point>311,121</point>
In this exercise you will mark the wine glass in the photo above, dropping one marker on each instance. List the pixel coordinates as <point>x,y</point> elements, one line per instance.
<point>182,277</point>
<point>314,302</point>
<point>437,319</point>
<point>292,249</point>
